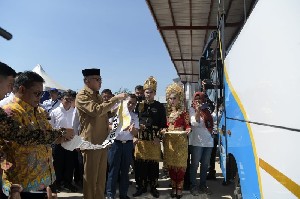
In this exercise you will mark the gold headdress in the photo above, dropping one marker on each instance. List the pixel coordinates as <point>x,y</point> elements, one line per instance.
<point>178,90</point>
<point>150,83</point>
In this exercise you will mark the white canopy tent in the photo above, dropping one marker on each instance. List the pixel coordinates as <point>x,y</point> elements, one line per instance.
<point>49,82</point>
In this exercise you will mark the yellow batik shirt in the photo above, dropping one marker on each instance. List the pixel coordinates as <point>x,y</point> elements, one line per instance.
<point>32,164</point>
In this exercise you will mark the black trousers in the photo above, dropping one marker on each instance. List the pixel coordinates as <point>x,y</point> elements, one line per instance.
<point>78,167</point>
<point>212,164</point>
<point>63,164</point>
<point>187,182</point>
<point>146,171</point>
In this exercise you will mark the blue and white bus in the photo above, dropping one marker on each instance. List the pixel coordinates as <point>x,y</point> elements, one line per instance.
<point>259,81</point>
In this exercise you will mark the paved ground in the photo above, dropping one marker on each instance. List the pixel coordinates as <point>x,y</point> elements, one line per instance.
<point>219,191</point>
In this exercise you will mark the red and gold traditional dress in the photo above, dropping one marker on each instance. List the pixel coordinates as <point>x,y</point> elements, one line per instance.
<point>176,147</point>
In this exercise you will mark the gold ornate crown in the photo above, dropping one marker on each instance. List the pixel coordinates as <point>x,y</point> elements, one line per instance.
<point>150,83</point>
<point>177,89</point>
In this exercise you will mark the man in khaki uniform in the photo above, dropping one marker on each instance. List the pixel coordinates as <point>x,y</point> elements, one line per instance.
<point>93,119</point>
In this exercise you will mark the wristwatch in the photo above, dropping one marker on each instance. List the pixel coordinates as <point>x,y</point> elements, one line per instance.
<point>63,132</point>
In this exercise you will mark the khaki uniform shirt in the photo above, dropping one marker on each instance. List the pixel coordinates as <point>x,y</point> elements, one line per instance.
<point>93,115</point>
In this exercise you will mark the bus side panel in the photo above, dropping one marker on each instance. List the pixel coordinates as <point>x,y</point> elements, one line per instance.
<point>262,82</point>
<point>239,144</point>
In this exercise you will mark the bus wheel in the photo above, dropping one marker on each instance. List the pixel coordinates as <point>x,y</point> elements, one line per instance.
<point>237,190</point>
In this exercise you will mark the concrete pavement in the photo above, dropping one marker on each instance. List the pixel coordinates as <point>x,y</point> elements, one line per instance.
<point>218,190</point>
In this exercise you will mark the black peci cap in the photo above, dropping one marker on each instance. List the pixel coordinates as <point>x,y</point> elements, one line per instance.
<point>91,71</point>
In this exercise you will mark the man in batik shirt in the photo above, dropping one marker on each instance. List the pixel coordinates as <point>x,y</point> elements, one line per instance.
<point>33,167</point>
<point>12,130</point>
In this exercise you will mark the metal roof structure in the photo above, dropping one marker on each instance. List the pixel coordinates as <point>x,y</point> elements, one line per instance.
<point>185,26</point>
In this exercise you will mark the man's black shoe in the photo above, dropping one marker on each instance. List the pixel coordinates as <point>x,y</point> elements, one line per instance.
<point>79,183</point>
<point>154,193</point>
<point>71,188</point>
<point>186,187</point>
<point>138,193</point>
<point>54,188</point>
<point>59,188</point>
<point>211,175</point>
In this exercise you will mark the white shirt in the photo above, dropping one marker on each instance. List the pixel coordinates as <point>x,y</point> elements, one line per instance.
<point>75,122</point>
<point>61,118</point>
<point>49,105</point>
<point>215,117</point>
<point>7,100</point>
<point>126,135</point>
<point>199,136</point>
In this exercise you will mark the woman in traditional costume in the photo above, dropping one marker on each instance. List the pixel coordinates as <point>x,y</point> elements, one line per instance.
<point>175,141</point>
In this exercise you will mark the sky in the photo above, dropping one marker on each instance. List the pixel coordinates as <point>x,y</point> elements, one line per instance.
<point>65,36</point>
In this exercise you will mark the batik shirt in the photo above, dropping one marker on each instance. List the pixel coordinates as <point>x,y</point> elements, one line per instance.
<point>11,130</point>
<point>32,164</point>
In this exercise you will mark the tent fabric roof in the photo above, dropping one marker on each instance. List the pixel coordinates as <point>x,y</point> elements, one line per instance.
<point>49,82</point>
<point>185,26</point>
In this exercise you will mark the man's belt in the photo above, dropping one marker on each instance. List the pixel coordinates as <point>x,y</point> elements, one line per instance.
<point>123,141</point>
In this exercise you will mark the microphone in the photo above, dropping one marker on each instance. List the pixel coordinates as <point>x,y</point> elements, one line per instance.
<point>5,34</point>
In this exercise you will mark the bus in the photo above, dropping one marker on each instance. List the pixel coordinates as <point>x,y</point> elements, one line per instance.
<point>258,79</point>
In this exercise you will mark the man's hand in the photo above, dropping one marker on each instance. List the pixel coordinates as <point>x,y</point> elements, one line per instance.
<point>163,131</point>
<point>121,96</point>
<point>135,140</point>
<point>188,131</point>
<point>47,115</point>
<point>134,131</point>
<point>127,128</point>
<point>69,134</point>
<point>142,127</point>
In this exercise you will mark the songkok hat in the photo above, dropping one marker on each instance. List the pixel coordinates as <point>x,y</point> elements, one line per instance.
<point>150,83</point>
<point>91,71</point>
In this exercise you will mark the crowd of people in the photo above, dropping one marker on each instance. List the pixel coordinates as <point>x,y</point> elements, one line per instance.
<point>34,164</point>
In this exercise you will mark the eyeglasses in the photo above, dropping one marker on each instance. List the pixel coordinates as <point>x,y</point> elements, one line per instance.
<point>98,79</point>
<point>38,93</point>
